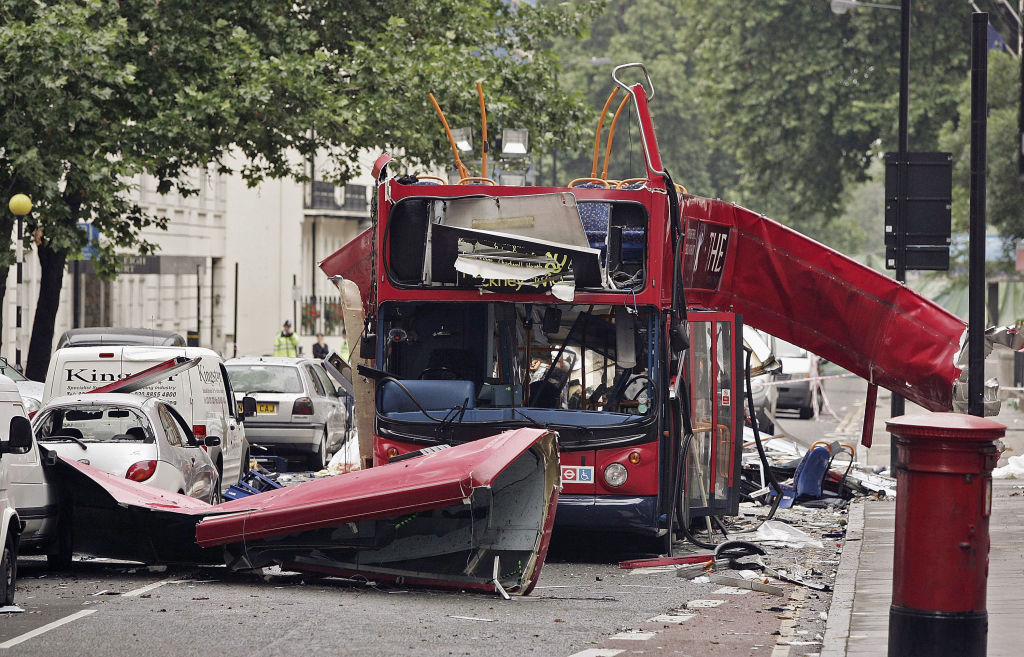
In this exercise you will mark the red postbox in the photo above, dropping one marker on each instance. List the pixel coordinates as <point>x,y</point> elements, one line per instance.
<point>944,465</point>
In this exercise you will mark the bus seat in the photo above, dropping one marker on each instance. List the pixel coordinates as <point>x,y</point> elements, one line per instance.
<point>433,395</point>
<point>595,216</point>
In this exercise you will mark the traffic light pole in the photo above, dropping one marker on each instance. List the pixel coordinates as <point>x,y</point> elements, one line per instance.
<point>898,406</point>
<point>976,267</point>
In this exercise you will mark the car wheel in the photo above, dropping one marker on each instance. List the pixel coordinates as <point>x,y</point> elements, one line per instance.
<point>806,412</point>
<point>9,569</point>
<point>61,558</point>
<point>319,459</point>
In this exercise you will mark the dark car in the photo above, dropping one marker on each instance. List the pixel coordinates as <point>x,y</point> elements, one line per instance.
<point>99,336</point>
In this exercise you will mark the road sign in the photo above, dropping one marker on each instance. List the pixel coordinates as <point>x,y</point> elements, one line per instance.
<point>93,233</point>
<point>928,202</point>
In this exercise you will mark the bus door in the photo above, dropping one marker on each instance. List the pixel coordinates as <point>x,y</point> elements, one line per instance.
<point>714,368</point>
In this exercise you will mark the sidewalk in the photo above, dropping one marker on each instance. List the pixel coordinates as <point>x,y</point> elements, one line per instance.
<point>858,623</point>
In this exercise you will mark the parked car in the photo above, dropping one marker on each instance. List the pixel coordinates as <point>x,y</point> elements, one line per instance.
<point>202,395</point>
<point>99,336</point>
<point>139,438</point>
<point>31,391</point>
<point>762,364</point>
<point>793,384</point>
<point>298,408</point>
<point>31,517</point>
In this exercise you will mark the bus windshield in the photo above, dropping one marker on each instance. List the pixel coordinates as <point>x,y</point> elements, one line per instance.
<point>564,365</point>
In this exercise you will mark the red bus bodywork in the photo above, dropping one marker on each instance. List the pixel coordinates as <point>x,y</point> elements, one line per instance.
<point>736,264</point>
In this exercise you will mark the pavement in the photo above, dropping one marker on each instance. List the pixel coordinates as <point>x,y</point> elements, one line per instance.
<point>858,620</point>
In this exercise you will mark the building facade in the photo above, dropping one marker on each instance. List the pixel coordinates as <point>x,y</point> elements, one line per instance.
<point>234,263</point>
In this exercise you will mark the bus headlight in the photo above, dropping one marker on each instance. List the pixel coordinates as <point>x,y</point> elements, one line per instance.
<point>615,474</point>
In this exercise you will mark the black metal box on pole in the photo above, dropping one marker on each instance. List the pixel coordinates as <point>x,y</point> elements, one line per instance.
<point>928,201</point>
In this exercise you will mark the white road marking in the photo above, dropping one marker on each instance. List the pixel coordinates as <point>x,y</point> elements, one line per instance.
<point>671,618</point>
<point>633,636</point>
<point>474,618</point>
<point>703,604</point>
<point>10,643</point>
<point>147,588</point>
<point>598,652</point>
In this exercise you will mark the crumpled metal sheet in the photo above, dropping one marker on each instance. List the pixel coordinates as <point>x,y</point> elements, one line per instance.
<point>118,518</point>
<point>812,296</point>
<point>437,479</point>
<point>475,516</point>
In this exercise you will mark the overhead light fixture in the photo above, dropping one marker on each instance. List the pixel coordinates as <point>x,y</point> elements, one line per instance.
<point>515,142</point>
<point>463,139</point>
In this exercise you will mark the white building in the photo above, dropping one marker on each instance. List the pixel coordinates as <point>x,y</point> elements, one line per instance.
<point>263,241</point>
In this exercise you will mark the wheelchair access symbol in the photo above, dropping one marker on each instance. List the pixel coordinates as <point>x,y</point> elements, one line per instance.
<point>577,473</point>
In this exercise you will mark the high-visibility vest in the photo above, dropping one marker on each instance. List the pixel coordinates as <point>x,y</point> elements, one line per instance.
<point>286,345</point>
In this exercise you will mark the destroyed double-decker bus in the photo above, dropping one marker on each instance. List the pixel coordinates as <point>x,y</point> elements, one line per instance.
<point>610,312</point>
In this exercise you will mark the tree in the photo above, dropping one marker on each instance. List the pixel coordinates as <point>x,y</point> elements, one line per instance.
<point>645,31</point>
<point>1004,201</point>
<point>804,99</point>
<point>778,105</point>
<point>96,92</point>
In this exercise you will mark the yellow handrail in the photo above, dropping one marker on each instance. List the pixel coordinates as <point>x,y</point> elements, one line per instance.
<point>465,180</point>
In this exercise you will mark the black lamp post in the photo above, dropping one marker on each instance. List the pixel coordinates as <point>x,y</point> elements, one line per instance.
<point>20,205</point>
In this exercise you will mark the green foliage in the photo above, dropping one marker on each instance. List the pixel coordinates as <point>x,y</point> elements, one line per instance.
<point>1004,201</point>
<point>778,105</point>
<point>96,92</point>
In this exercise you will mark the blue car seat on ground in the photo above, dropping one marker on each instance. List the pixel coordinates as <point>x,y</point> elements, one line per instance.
<point>809,478</point>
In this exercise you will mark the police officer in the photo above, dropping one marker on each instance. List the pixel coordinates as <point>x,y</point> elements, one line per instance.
<point>286,344</point>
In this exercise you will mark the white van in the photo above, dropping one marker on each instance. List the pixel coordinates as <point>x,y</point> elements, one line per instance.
<point>31,519</point>
<point>201,394</point>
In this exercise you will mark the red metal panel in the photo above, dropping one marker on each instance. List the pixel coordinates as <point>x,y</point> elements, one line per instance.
<point>352,262</point>
<point>430,481</point>
<point>812,296</point>
<point>133,494</point>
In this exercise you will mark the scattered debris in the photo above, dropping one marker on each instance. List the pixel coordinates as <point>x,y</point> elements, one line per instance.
<point>751,584</point>
<point>1014,469</point>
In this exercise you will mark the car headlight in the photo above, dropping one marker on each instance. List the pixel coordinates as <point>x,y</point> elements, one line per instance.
<point>615,474</point>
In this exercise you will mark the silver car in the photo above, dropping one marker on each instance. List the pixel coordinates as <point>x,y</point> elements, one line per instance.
<point>299,410</point>
<point>139,438</point>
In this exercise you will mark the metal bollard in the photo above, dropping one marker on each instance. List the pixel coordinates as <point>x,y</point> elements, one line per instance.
<point>944,499</point>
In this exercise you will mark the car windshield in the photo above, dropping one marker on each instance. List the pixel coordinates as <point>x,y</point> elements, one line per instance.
<point>94,423</point>
<point>10,372</point>
<point>265,378</point>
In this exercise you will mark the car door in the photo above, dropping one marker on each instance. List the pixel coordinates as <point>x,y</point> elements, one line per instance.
<point>176,449</point>
<point>236,447</point>
<point>322,408</point>
<point>30,493</point>
<point>338,417</point>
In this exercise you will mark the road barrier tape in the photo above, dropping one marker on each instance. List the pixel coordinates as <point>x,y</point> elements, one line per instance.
<point>785,382</point>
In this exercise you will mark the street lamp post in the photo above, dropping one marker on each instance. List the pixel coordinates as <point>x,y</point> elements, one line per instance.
<point>20,205</point>
<point>898,406</point>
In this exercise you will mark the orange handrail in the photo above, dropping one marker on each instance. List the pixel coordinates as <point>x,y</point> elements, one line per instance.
<point>483,121</point>
<point>600,126</point>
<point>611,135</point>
<point>463,172</point>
